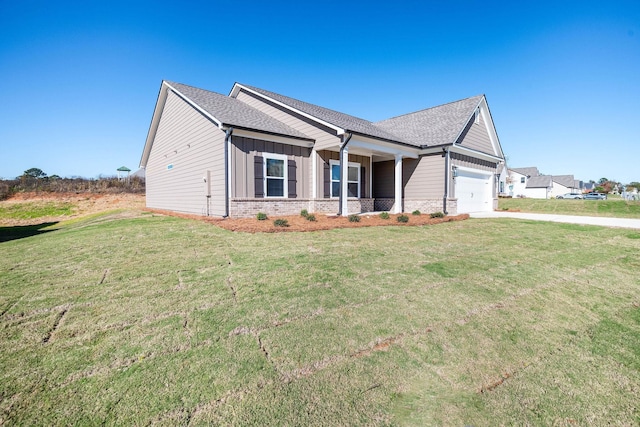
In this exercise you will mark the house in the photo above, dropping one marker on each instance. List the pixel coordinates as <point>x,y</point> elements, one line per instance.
<point>519,178</point>
<point>562,184</point>
<point>258,151</point>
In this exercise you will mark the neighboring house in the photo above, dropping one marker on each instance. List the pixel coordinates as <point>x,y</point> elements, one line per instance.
<point>258,151</point>
<point>539,187</point>
<point>588,187</point>
<point>519,178</point>
<point>562,184</point>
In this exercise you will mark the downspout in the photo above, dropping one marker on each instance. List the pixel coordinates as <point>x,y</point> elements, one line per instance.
<point>227,179</point>
<point>447,160</point>
<point>342,177</point>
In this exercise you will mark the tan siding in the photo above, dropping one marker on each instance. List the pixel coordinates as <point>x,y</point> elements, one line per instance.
<point>243,153</point>
<point>477,138</point>
<point>324,137</point>
<point>192,144</point>
<point>423,178</point>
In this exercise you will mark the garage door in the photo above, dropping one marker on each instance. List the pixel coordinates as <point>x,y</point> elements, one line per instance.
<point>473,191</point>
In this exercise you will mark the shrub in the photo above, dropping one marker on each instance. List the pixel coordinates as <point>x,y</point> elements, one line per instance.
<point>384,215</point>
<point>416,212</point>
<point>437,215</point>
<point>261,216</point>
<point>311,218</point>
<point>281,222</point>
<point>304,213</point>
<point>403,218</point>
<point>354,218</point>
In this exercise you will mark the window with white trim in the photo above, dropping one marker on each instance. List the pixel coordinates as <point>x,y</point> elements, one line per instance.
<point>353,179</point>
<point>275,175</point>
<point>522,179</point>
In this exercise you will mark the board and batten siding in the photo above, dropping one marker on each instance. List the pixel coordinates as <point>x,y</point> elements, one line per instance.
<point>185,147</point>
<point>324,137</point>
<point>422,178</point>
<point>476,137</point>
<point>243,153</point>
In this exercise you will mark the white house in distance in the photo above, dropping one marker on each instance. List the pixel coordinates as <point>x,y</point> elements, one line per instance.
<point>528,182</point>
<point>258,151</point>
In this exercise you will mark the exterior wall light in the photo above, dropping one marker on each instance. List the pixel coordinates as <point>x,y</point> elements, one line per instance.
<point>454,171</point>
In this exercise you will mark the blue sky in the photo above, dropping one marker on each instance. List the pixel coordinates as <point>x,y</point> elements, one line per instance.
<point>79,80</point>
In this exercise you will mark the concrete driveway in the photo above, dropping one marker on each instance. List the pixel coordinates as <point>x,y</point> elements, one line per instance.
<point>571,219</point>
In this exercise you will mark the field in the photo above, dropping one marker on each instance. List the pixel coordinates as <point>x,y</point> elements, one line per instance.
<point>613,207</point>
<point>129,317</point>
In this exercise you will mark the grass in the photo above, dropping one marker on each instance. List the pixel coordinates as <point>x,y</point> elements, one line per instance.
<point>32,210</point>
<point>612,207</point>
<point>165,321</point>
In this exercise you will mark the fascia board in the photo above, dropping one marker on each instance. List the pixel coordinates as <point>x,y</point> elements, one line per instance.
<point>153,126</point>
<point>238,86</point>
<point>382,146</point>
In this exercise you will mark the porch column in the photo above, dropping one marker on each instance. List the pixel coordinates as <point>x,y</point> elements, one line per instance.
<point>398,186</point>
<point>344,181</point>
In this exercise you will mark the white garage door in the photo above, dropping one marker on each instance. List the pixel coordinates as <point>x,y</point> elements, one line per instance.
<point>473,191</point>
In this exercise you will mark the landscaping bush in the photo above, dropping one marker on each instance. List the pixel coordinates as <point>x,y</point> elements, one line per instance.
<point>354,218</point>
<point>311,218</point>
<point>403,218</point>
<point>384,215</point>
<point>304,213</point>
<point>281,222</point>
<point>437,215</point>
<point>416,212</point>
<point>261,216</point>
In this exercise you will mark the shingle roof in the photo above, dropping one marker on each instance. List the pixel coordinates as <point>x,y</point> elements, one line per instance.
<point>531,171</point>
<point>232,112</point>
<point>433,126</point>
<point>336,118</point>
<point>565,180</point>
<point>540,181</point>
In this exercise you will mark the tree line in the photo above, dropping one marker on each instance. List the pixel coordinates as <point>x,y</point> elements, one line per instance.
<point>36,180</point>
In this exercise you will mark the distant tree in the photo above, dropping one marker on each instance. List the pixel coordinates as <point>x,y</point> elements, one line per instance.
<point>601,189</point>
<point>634,184</point>
<point>602,180</point>
<point>34,173</point>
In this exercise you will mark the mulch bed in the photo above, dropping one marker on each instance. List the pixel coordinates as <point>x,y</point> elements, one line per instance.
<point>322,222</point>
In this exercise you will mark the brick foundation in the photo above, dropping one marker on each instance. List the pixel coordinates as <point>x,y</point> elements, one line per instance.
<point>422,205</point>
<point>246,208</point>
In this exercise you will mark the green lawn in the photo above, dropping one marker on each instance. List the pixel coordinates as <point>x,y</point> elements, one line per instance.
<point>166,321</point>
<point>612,207</point>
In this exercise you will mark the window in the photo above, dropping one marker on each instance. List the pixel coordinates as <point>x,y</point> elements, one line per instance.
<point>522,180</point>
<point>275,174</point>
<point>353,179</point>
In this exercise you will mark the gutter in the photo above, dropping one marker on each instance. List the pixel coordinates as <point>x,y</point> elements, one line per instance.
<point>227,180</point>
<point>342,177</point>
<point>447,160</point>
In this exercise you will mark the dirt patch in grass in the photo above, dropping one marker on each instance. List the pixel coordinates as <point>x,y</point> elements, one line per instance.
<point>322,222</point>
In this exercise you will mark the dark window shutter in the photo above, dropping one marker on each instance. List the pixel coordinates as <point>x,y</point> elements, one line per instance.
<point>291,176</point>
<point>363,177</point>
<point>258,177</point>
<point>327,181</point>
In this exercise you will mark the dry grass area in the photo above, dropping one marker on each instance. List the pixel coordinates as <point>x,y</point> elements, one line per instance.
<point>82,204</point>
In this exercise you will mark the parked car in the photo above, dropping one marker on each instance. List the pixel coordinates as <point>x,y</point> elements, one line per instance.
<point>595,196</point>
<point>570,196</point>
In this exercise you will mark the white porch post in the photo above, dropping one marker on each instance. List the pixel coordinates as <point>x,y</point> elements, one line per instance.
<point>344,181</point>
<point>398,186</point>
<point>314,174</point>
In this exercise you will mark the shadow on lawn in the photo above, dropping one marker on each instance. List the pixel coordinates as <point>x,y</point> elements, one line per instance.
<point>22,231</point>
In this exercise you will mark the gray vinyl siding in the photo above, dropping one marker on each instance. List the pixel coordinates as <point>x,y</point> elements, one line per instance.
<point>324,158</point>
<point>324,136</point>
<point>193,145</point>
<point>476,137</point>
<point>243,153</point>
<point>472,162</point>
<point>423,177</point>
